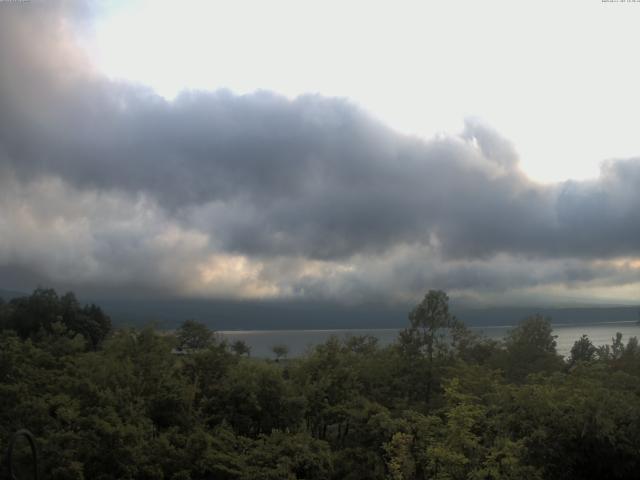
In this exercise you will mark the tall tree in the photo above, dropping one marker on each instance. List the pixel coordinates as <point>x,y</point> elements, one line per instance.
<point>39,311</point>
<point>240,347</point>
<point>583,350</point>
<point>428,323</point>
<point>194,335</point>
<point>280,351</point>
<point>425,337</point>
<point>531,347</point>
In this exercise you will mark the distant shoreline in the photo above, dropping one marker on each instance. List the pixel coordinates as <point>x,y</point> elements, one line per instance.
<point>299,341</point>
<point>395,329</point>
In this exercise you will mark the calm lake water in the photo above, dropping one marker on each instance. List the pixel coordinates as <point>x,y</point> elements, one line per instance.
<point>299,341</point>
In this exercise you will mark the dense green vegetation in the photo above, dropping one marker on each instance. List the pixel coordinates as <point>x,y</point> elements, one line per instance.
<point>440,403</point>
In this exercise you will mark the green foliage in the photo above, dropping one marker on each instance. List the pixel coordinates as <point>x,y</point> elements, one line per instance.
<point>583,350</point>
<point>240,347</point>
<point>39,313</point>
<point>428,323</point>
<point>288,456</point>
<point>424,343</point>
<point>441,403</point>
<point>255,399</point>
<point>400,461</point>
<point>280,351</point>
<point>531,348</point>
<point>194,335</point>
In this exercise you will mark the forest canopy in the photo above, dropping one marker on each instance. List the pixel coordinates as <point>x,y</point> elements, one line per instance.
<point>440,402</point>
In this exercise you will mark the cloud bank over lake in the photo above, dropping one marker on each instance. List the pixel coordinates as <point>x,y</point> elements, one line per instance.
<point>105,186</point>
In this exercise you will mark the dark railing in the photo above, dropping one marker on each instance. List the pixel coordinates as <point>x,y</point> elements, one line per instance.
<point>34,452</point>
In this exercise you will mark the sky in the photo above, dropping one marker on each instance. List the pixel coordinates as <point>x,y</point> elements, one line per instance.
<point>345,152</point>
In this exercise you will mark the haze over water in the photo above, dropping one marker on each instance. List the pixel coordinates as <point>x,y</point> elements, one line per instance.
<point>299,341</point>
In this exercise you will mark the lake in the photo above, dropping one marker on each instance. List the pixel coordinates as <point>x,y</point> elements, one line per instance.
<point>299,341</point>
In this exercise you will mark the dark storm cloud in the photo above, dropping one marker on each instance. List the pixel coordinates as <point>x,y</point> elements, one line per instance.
<point>318,177</point>
<point>311,178</point>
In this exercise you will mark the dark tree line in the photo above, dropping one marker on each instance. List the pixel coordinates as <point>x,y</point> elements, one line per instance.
<point>439,403</point>
<point>45,313</point>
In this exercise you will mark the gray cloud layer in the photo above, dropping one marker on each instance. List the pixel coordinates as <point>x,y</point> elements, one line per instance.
<point>106,184</point>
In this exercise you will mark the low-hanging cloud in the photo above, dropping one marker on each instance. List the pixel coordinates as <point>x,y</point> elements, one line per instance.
<point>106,184</point>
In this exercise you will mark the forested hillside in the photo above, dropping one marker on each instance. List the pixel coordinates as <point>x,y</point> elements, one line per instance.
<point>440,403</point>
